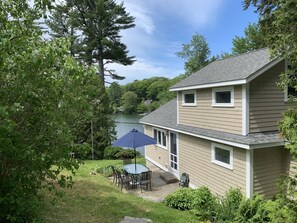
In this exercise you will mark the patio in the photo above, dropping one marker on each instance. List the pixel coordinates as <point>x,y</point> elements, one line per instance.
<point>160,189</point>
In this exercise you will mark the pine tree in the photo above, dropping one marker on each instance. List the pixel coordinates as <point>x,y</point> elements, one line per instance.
<point>100,23</point>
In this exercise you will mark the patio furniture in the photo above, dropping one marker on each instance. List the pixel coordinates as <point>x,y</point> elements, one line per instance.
<point>123,179</point>
<point>184,180</point>
<point>114,174</point>
<point>145,180</point>
<point>135,171</point>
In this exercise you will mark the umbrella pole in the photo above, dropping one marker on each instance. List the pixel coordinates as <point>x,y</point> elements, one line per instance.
<point>135,157</point>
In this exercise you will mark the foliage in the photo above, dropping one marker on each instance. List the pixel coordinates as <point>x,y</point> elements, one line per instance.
<point>107,170</point>
<point>181,199</point>
<point>127,154</point>
<point>278,21</point>
<point>228,205</point>
<point>233,207</point>
<point>81,150</point>
<point>196,53</point>
<point>254,39</point>
<point>204,204</point>
<point>129,102</point>
<point>115,92</point>
<point>100,22</point>
<point>111,151</point>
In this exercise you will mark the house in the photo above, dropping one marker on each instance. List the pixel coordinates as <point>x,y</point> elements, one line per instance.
<point>222,128</point>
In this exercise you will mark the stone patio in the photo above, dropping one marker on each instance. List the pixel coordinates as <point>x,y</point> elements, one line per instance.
<point>160,189</point>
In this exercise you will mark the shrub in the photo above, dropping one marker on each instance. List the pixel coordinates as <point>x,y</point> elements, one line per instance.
<point>106,170</point>
<point>228,206</point>
<point>204,204</point>
<point>181,199</point>
<point>111,151</point>
<point>251,210</point>
<point>127,154</point>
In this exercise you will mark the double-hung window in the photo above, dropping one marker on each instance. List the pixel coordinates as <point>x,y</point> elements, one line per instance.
<point>223,97</point>
<point>160,137</point>
<point>222,155</point>
<point>189,98</point>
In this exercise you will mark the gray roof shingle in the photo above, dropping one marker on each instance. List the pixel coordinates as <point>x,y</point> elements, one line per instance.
<point>231,69</point>
<point>166,116</point>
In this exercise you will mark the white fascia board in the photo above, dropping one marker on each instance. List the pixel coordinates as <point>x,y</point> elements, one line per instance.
<point>266,145</point>
<point>263,69</point>
<point>239,145</point>
<point>220,84</point>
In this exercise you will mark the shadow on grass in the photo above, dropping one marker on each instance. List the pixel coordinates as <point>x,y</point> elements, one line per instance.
<point>95,199</point>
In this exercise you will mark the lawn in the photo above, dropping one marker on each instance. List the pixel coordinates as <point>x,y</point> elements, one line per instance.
<point>93,198</point>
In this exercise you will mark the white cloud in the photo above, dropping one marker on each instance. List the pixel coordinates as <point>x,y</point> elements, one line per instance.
<point>149,40</point>
<point>142,69</point>
<point>143,19</point>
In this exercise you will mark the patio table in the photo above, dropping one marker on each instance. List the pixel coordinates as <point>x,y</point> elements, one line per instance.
<point>135,171</point>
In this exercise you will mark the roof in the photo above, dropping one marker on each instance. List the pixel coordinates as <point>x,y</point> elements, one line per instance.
<point>237,68</point>
<point>166,117</point>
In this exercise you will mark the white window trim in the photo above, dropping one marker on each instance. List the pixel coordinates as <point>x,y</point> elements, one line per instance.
<point>213,160</point>
<point>215,90</point>
<point>166,134</point>
<point>183,98</point>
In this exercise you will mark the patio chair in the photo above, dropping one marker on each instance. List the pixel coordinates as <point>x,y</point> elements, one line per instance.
<point>145,180</point>
<point>114,174</point>
<point>123,179</point>
<point>184,180</point>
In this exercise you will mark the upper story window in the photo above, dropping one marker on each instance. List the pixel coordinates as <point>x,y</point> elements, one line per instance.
<point>189,98</point>
<point>223,97</point>
<point>160,137</point>
<point>222,155</point>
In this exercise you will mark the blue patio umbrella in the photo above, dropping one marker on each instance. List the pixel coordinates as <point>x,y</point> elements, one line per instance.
<point>134,139</point>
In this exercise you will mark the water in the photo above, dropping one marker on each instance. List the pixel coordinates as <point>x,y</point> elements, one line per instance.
<point>125,123</point>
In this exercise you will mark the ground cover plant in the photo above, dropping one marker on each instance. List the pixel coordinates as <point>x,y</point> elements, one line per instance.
<point>93,198</point>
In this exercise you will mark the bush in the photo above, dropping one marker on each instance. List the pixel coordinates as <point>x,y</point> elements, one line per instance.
<point>111,151</point>
<point>204,204</point>
<point>127,154</point>
<point>228,205</point>
<point>181,199</point>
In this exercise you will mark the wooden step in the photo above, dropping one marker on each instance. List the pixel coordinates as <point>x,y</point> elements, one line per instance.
<point>168,177</point>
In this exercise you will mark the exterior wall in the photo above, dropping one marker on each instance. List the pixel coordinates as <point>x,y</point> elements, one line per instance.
<point>195,159</point>
<point>156,154</point>
<point>268,168</point>
<point>203,115</point>
<point>266,100</point>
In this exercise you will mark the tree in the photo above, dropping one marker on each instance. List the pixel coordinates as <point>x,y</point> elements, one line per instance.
<point>254,39</point>
<point>100,22</point>
<point>46,98</point>
<point>195,53</point>
<point>62,25</point>
<point>114,92</point>
<point>278,21</point>
<point>129,102</point>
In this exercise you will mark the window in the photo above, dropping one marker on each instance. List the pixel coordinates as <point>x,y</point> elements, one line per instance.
<point>223,97</point>
<point>189,98</point>
<point>222,155</point>
<point>160,137</point>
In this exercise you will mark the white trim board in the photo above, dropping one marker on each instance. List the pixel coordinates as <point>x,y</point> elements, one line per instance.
<point>249,173</point>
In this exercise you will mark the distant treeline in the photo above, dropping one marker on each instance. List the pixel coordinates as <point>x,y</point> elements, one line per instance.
<point>141,96</point>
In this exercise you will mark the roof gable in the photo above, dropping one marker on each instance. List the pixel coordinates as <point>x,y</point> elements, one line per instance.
<point>235,70</point>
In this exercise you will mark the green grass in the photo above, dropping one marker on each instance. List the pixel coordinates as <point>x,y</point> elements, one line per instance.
<point>93,198</point>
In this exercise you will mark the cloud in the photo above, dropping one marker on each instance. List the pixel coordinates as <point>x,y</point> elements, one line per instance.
<point>157,35</point>
<point>142,69</point>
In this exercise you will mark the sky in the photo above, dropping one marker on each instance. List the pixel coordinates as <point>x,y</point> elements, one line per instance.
<point>162,26</point>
